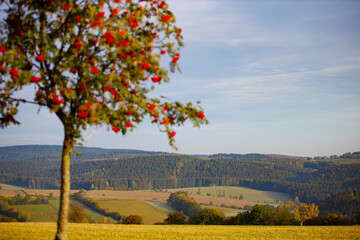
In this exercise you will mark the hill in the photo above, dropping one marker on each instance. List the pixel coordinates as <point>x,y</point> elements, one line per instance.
<point>310,180</point>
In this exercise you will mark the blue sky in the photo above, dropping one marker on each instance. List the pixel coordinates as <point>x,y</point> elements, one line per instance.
<point>273,77</point>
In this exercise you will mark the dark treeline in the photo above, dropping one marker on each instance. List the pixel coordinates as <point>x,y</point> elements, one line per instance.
<point>30,182</point>
<point>347,203</point>
<point>26,200</point>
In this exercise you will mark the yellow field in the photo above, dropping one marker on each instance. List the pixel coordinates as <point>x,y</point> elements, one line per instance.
<point>39,231</point>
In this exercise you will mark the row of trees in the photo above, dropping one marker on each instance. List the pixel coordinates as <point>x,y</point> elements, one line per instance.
<point>289,213</point>
<point>27,199</point>
<point>81,197</point>
<point>345,155</point>
<point>332,219</point>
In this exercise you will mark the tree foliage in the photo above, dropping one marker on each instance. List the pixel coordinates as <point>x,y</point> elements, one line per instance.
<point>133,219</point>
<point>176,218</point>
<point>91,62</point>
<point>207,216</point>
<point>181,202</point>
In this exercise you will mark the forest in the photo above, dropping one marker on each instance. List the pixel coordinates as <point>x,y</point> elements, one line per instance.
<point>312,181</point>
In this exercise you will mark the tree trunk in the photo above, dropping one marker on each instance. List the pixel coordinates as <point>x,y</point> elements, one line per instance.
<point>65,186</point>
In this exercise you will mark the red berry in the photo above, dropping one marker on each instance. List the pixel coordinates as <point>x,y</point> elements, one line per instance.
<point>83,114</point>
<point>115,129</point>
<point>35,79</point>
<point>201,115</point>
<point>94,69</point>
<point>152,107</point>
<point>14,72</point>
<point>173,133</point>
<point>166,18</point>
<point>40,58</point>
<point>65,6</point>
<point>162,4</point>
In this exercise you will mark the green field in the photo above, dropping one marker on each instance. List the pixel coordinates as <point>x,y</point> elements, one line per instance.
<point>149,212</point>
<point>49,212</point>
<point>12,231</point>
<point>249,194</point>
<point>39,212</point>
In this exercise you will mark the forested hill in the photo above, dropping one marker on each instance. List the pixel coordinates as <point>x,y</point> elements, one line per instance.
<point>53,152</point>
<point>312,181</point>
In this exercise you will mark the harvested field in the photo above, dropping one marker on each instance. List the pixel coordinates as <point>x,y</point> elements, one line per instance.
<point>136,195</point>
<point>10,192</point>
<point>44,231</point>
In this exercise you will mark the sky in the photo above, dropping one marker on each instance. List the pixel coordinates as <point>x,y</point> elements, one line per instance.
<point>279,77</point>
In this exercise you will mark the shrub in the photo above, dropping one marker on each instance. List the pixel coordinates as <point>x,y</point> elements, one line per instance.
<point>133,219</point>
<point>207,216</point>
<point>176,218</point>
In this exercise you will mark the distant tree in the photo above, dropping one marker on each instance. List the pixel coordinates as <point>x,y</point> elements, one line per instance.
<point>284,214</point>
<point>262,215</point>
<point>51,196</point>
<point>207,216</point>
<point>90,62</point>
<point>176,218</point>
<point>181,202</point>
<point>305,211</point>
<point>133,219</point>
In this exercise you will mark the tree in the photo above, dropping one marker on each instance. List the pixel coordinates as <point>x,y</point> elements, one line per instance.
<point>51,196</point>
<point>207,216</point>
<point>305,211</point>
<point>176,218</point>
<point>91,63</point>
<point>133,219</point>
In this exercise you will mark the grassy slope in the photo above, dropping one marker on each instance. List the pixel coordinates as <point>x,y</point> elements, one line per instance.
<point>94,215</point>
<point>249,194</point>
<point>40,231</point>
<point>49,212</point>
<point>38,213</point>
<point>149,212</point>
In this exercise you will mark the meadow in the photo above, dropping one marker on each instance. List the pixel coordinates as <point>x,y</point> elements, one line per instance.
<point>250,195</point>
<point>149,212</point>
<point>12,231</point>
<point>49,212</point>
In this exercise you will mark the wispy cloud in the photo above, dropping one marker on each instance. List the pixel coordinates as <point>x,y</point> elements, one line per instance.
<point>265,88</point>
